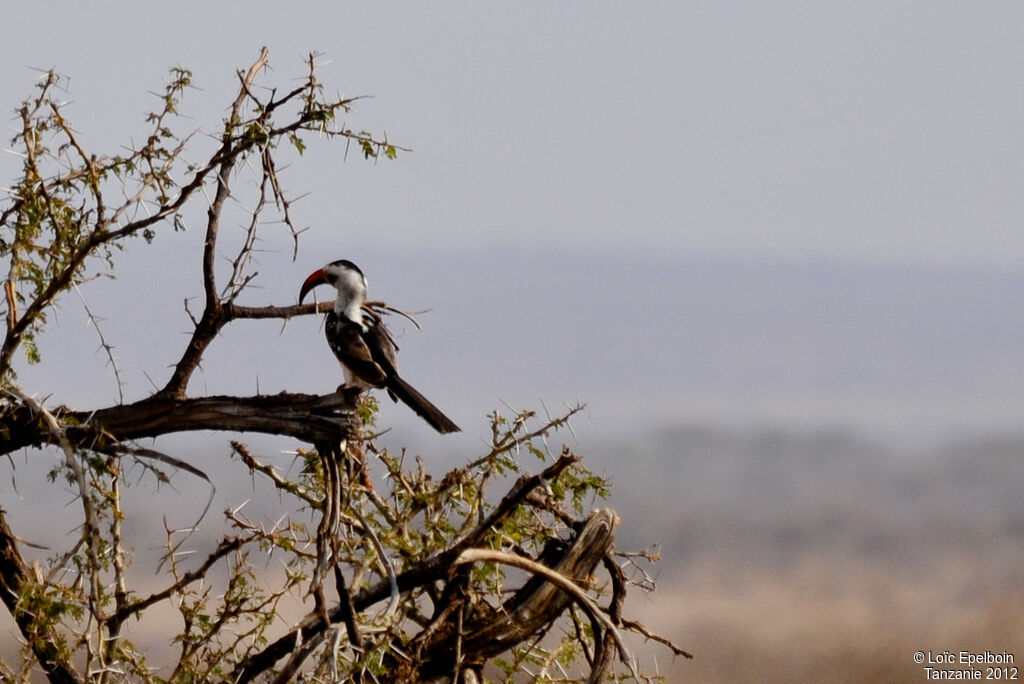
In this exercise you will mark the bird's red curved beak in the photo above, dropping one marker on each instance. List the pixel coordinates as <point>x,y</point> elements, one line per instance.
<point>315,278</point>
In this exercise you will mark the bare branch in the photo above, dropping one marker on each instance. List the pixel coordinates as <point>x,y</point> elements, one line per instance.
<point>634,626</point>
<point>107,348</point>
<point>307,417</point>
<point>130,608</point>
<point>281,483</point>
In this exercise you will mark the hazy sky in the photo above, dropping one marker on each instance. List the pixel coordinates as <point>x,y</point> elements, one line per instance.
<point>869,131</point>
<point>885,135</point>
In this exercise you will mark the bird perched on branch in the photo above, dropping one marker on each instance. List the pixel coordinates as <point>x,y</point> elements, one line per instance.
<point>364,347</point>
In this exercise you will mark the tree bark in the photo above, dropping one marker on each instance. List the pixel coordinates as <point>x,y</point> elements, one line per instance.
<point>307,417</point>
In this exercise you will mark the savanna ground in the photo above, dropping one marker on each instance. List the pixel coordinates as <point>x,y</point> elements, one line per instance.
<point>828,558</point>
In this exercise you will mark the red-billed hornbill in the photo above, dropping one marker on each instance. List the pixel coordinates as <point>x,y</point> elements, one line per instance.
<point>362,344</point>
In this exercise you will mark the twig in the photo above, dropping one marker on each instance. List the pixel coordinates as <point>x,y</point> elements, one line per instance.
<point>640,629</point>
<point>104,344</point>
<point>378,306</point>
<point>281,483</point>
<point>385,562</point>
<point>225,547</point>
<point>348,612</point>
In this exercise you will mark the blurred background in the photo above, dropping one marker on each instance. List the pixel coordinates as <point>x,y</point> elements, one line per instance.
<point>775,249</point>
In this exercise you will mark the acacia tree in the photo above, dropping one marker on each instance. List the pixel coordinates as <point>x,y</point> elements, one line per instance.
<point>424,580</point>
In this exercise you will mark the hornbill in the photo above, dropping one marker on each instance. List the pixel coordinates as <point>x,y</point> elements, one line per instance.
<point>358,338</point>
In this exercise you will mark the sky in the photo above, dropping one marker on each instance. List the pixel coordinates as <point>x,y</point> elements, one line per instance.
<point>868,131</point>
<point>631,144</point>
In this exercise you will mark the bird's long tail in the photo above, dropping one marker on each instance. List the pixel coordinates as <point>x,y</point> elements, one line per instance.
<point>423,408</point>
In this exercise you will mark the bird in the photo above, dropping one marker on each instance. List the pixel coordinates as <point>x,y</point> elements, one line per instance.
<point>363,345</point>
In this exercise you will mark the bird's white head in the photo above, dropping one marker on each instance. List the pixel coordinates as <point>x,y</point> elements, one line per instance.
<point>348,280</point>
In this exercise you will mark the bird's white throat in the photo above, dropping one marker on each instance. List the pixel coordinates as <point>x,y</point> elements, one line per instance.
<point>351,295</point>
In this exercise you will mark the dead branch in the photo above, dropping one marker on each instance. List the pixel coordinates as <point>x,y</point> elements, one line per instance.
<point>307,417</point>
<point>488,634</point>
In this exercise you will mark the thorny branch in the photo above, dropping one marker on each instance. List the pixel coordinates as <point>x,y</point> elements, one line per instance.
<point>107,348</point>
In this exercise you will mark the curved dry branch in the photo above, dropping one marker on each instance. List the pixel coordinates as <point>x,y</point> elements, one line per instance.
<point>488,633</point>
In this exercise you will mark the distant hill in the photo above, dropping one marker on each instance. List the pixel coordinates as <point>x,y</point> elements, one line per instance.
<point>776,494</point>
<point>890,350</point>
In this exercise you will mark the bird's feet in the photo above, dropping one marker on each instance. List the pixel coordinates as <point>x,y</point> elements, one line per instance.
<point>349,392</point>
